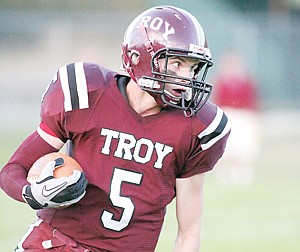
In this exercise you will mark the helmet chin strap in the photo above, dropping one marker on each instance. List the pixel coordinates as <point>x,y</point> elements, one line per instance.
<point>189,112</point>
<point>187,95</point>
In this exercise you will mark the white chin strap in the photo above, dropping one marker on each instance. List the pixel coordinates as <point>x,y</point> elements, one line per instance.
<point>187,95</point>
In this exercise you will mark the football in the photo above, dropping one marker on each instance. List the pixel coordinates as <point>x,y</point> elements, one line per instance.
<point>65,170</point>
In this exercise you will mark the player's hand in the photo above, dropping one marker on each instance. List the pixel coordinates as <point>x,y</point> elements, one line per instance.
<point>52,192</point>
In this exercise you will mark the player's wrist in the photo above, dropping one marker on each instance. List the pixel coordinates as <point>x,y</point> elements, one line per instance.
<point>23,192</point>
<point>29,198</point>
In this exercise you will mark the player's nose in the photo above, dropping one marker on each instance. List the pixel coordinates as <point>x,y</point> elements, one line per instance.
<point>185,72</point>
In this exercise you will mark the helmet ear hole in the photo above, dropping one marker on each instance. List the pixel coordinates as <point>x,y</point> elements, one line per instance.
<point>135,57</point>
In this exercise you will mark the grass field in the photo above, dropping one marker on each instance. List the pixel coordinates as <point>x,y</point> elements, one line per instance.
<point>263,216</point>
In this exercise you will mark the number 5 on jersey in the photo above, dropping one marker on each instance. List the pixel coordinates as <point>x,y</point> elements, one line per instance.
<point>120,176</point>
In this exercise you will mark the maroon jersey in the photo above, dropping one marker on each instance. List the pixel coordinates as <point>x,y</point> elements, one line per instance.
<point>131,162</point>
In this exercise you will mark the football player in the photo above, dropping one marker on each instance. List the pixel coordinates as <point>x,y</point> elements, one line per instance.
<point>142,140</point>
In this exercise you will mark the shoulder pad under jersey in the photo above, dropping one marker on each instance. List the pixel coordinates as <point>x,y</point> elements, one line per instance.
<point>215,122</point>
<point>72,86</point>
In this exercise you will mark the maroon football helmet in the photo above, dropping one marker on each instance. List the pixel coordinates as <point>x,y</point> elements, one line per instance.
<point>160,33</point>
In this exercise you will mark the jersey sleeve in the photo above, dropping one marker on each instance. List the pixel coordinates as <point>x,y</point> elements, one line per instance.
<point>52,113</point>
<point>71,89</point>
<point>208,145</point>
<point>13,174</point>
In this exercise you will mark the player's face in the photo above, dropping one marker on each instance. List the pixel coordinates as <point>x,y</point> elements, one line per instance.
<point>183,67</point>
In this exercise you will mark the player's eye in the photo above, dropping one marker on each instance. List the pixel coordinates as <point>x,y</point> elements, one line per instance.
<point>176,64</point>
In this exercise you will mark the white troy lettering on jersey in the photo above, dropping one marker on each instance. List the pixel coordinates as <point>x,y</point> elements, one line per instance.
<point>128,147</point>
<point>156,24</point>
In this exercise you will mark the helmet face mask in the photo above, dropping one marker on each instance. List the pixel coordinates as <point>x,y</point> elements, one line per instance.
<point>194,92</point>
<point>148,47</point>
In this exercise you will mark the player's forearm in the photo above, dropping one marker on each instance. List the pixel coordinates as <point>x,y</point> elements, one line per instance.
<point>14,173</point>
<point>12,180</point>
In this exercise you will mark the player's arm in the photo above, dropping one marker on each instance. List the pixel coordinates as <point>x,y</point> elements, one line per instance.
<point>189,205</point>
<point>13,175</point>
<point>49,137</point>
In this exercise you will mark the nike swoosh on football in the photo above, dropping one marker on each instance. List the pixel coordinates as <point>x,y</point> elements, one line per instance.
<point>47,192</point>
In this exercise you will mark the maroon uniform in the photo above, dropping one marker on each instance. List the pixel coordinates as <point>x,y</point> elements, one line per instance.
<point>131,162</point>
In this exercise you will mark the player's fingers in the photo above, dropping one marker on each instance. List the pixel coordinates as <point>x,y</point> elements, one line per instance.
<point>75,176</point>
<point>58,162</point>
<point>64,182</point>
<point>79,187</point>
<point>72,192</point>
<point>48,171</point>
